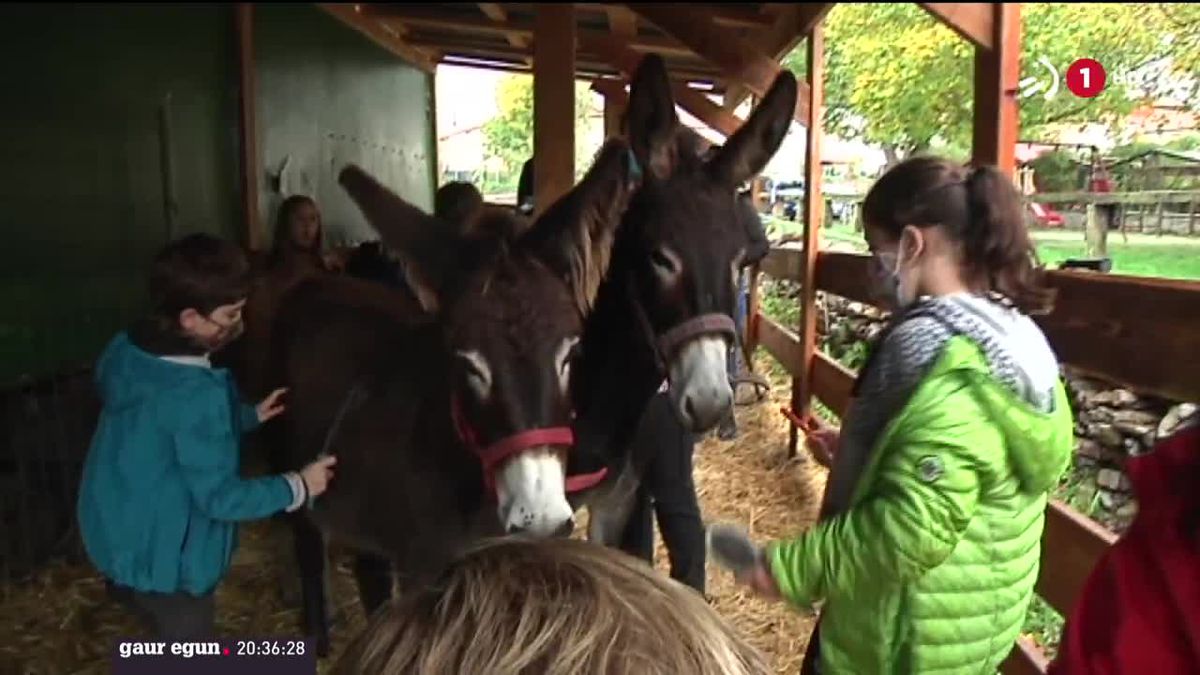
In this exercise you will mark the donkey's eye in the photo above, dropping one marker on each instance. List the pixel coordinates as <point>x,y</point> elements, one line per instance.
<point>567,351</point>
<point>665,262</point>
<point>479,375</point>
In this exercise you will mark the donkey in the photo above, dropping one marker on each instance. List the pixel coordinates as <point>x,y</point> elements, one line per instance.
<point>404,394</point>
<point>665,307</point>
<point>446,399</point>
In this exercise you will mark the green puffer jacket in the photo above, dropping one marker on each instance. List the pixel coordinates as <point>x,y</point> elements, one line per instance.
<point>932,567</point>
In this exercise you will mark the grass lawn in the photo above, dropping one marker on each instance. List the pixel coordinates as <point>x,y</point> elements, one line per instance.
<point>1167,256</point>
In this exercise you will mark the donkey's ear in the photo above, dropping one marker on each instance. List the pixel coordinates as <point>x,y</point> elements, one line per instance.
<point>424,243</point>
<point>750,147</point>
<point>574,237</point>
<point>650,119</point>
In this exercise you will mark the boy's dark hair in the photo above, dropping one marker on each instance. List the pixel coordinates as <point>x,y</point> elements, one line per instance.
<point>198,271</point>
<point>978,207</point>
<point>455,202</point>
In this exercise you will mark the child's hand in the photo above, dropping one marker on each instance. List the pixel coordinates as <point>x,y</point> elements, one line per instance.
<point>316,476</point>
<point>761,581</point>
<point>822,441</point>
<point>270,406</point>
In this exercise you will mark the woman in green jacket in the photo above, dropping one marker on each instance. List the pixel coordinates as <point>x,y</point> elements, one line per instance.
<point>927,548</point>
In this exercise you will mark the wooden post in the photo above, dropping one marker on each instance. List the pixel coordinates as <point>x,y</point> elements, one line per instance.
<point>1192,216</point>
<point>996,73</point>
<point>1095,233</point>
<point>553,103</point>
<point>251,164</point>
<point>814,207</point>
<point>613,111</point>
<point>1161,210</point>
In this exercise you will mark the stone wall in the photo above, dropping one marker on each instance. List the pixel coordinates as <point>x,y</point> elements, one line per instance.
<point>1111,424</point>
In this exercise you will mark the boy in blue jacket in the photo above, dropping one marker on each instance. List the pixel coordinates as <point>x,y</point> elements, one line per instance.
<point>161,494</point>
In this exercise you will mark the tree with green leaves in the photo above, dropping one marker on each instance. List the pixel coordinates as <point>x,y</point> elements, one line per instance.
<point>509,135</point>
<point>898,78</point>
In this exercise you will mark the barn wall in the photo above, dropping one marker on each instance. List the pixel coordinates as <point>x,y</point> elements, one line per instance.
<point>99,96</point>
<point>81,164</point>
<point>328,96</point>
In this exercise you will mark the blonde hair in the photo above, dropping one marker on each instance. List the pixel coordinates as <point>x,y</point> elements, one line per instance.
<point>553,607</point>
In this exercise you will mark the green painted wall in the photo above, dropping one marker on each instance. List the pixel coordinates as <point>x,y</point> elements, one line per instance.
<point>328,96</point>
<point>81,168</point>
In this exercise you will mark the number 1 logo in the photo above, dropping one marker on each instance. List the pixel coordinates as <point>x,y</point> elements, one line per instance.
<point>1086,78</point>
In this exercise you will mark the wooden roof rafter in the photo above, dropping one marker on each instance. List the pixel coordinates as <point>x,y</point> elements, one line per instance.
<point>739,60</point>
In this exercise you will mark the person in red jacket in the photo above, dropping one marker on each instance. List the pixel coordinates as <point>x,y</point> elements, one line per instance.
<point>1139,611</point>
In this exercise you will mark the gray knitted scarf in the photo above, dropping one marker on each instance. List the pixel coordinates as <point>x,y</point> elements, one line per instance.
<point>903,353</point>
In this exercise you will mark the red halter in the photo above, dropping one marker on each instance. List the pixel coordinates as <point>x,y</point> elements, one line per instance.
<point>493,455</point>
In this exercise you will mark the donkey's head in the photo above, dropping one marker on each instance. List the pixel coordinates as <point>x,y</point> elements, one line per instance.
<point>682,241</point>
<point>511,298</point>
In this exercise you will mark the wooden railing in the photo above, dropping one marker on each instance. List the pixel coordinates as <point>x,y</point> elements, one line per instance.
<point>1140,333</point>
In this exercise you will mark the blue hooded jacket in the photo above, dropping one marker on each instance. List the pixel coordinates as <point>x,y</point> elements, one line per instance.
<point>161,492</point>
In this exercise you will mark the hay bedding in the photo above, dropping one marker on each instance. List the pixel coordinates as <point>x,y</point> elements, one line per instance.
<point>61,622</point>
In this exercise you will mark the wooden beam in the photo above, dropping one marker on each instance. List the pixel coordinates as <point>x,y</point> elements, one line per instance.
<point>723,14</point>
<point>433,19</point>
<point>380,34</point>
<point>832,383</point>
<point>621,21</point>
<point>1138,332</point>
<point>996,73</point>
<point>739,60</point>
<point>814,210</point>
<point>973,21</point>
<point>618,53</point>
<point>251,161</point>
<point>792,23</point>
<point>1072,544</point>
<point>1025,659</point>
<point>496,13</point>
<point>553,104</point>
<point>781,343</point>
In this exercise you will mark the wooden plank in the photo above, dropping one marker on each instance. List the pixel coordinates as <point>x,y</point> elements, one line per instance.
<point>971,20</point>
<point>251,160</point>
<point>496,13</point>
<point>352,16</point>
<point>702,108</point>
<point>997,70</point>
<point>622,57</point>
<point>621,21</point>
<point>832,382</point>
<point>553,104</point>
<point>1139,332</point>
<point>755,305</point>
<point>439,20</point>
<point>845,274</point>
<point>1025,659</point>
<point>614,111</point>
<point>780,343</point>
<point>784,263</point>
<point>738,59</point>
<point>814,211</point>
<point>723,14</point>
<point>793,22</point>
<point>1071,546</point>
<point>1140,197</point>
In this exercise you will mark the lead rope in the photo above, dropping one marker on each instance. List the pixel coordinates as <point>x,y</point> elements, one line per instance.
<point>352,398</point>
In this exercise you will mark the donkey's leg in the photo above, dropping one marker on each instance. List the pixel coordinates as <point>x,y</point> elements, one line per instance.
<point>310,556</point>
<point>374,576</point>
<point>609,514</point>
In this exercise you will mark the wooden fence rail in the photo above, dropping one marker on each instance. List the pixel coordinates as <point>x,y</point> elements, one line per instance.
<point>1140,333</point>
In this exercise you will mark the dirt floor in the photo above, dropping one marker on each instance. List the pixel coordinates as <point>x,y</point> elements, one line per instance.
<point>62,623</point>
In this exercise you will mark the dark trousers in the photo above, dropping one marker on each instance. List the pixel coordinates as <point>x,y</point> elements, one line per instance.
<point>170,616</point>
<point>667,490</point>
